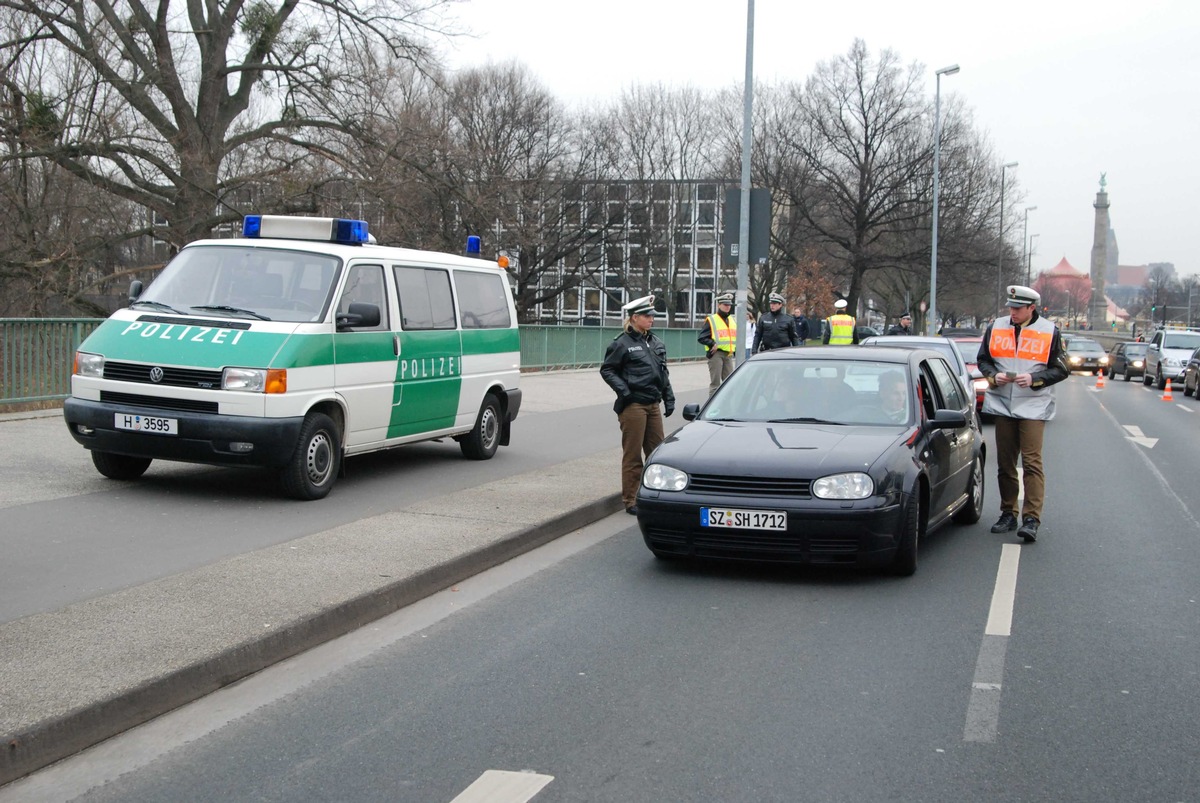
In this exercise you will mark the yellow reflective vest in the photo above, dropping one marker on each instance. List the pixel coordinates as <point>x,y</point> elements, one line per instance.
<point>841,329</point>
<point>724,332</point>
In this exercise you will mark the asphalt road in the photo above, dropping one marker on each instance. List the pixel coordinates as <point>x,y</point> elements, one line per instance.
<point>69,534</point>
<point>1067,670</point>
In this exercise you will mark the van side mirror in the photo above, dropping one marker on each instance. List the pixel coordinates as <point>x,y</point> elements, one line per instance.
<point>135,290</point>
<point>361,313</point>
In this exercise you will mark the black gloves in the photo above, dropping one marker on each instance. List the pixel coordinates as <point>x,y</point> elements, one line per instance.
<point>669,409</point>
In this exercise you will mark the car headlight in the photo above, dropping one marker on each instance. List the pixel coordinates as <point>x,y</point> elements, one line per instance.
<point>659,477</point>
<point>854,485</point>
<point>89,364</point>
<point>1076,360</point>
<point>1104,360</point>
<point>1171,363</point>
<point>1137,363</point>
<point>255,380</point>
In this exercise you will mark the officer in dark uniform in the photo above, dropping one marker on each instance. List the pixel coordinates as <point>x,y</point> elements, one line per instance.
<point>635,366</point>
<point>776,329</point>
<point>902,328</point>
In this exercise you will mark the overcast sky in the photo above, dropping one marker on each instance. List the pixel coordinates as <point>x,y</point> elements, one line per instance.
<point>1067,89</point>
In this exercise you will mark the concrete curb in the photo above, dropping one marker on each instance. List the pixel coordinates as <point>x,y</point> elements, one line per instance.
<point>98,668</point>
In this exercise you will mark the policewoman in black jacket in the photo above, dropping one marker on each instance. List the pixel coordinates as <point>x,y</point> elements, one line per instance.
<point>635,366</point>
<point>776,329</point>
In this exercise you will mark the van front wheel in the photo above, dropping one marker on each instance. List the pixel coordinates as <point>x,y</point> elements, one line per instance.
<point>483,441</point>
<point>314,465</point>
<point>119,466</point>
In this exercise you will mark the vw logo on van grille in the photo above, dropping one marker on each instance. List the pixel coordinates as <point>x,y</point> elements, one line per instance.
<point>156,374</point>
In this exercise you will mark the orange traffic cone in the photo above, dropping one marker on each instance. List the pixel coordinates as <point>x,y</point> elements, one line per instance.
<point>1167,392</point>
<point>1100,381</point>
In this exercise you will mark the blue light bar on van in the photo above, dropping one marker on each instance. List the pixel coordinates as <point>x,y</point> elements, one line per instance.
<point>320,229</point>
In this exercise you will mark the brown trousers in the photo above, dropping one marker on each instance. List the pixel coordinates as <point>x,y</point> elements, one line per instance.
<point>720,366</point>
<point>1020,437</point>
<point>641,433</point>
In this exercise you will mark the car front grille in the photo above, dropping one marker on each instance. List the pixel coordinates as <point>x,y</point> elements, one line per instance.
<point>721,484</point>
<point>756,545</point>
<point>174,377</point>
<point>158,402</point>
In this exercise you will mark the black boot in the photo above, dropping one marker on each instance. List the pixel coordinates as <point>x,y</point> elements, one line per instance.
<point>1006,523</point>
<point>1029,529</point>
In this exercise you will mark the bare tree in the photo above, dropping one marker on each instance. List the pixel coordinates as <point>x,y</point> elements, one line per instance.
<point>175,89</point>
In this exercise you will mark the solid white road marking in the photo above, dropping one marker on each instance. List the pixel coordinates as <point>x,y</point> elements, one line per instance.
<point>501,786</point>
<point>1186,408</point>
<point>983,708</point>
<point>999,621</point>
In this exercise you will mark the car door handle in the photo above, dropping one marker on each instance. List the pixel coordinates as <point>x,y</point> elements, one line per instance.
<point>396,345</point>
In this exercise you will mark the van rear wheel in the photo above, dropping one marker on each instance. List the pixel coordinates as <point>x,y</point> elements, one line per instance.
<point>483,441</point>
<point>314,466</point>
<point>120,466</point>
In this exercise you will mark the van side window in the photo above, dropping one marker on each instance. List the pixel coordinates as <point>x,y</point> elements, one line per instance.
<point>484,300</point>
<point>425,299</point>
<point>364,283</point>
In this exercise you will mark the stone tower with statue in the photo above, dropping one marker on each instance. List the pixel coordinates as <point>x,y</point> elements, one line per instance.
<point>1098,307</point>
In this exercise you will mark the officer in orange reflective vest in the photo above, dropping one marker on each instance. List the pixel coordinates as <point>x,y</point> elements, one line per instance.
<point>840,328</point>
<point>1021,356</point>
<point>719,336</point>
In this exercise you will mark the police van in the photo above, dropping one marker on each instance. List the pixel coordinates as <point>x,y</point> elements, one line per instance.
<point>294,346</point>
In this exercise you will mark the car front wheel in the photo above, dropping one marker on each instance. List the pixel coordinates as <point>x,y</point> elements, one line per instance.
<point>904,564</point>
<point>1160,381</point>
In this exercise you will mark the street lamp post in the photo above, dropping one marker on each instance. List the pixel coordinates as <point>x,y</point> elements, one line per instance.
<point>1000,255</point>
<point>931,323</point>
<point>1025,244</point>
<point>1029,262</point>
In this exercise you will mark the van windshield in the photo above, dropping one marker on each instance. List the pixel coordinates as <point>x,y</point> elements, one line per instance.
<point>238,281</point>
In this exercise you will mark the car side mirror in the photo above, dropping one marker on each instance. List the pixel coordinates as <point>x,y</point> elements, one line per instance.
<point>361,313</point>
<point>948,419</point>
<point>690,411</point>
<point>135,290</point>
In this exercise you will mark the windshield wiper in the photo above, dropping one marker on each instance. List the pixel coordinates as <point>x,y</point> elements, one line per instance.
<point>234,310</point>
<point>157,305</point>
<point>803,421</point>
<point>726,419</point>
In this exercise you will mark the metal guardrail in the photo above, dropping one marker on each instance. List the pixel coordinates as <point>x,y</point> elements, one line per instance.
<point>36,354</point>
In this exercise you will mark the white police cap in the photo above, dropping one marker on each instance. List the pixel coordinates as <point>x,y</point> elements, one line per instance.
<point>640,306</point>
<point>1021,296</point>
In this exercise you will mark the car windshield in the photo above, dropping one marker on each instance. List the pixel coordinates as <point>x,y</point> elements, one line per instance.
<point>938,344</point>
<point>969,349</point>
<point>814,391</point>
<point>261,283</point>
<point>1135,349</point>
<point>1182,340</point>
<point>1080,344</point>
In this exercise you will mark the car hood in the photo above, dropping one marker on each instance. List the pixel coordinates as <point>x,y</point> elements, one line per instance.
<point>764,449</point>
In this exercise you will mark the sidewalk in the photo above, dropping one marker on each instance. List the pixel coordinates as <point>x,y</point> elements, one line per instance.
<point>76,676</point>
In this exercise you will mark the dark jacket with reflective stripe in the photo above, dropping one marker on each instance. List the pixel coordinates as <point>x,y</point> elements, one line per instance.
<point>775,331</point>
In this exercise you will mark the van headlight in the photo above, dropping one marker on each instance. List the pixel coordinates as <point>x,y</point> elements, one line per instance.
<point>255,380</point>
<point>854,485</point>
<point>659,477</point>
<point>89,364</point>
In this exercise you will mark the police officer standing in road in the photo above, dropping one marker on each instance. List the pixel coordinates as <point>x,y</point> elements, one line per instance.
<point>1021,356</point>
<point>902,328</point>
<point>840,328</point>
<point>719,336</point>
<point>776,329</point>
<point>635,366</point>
